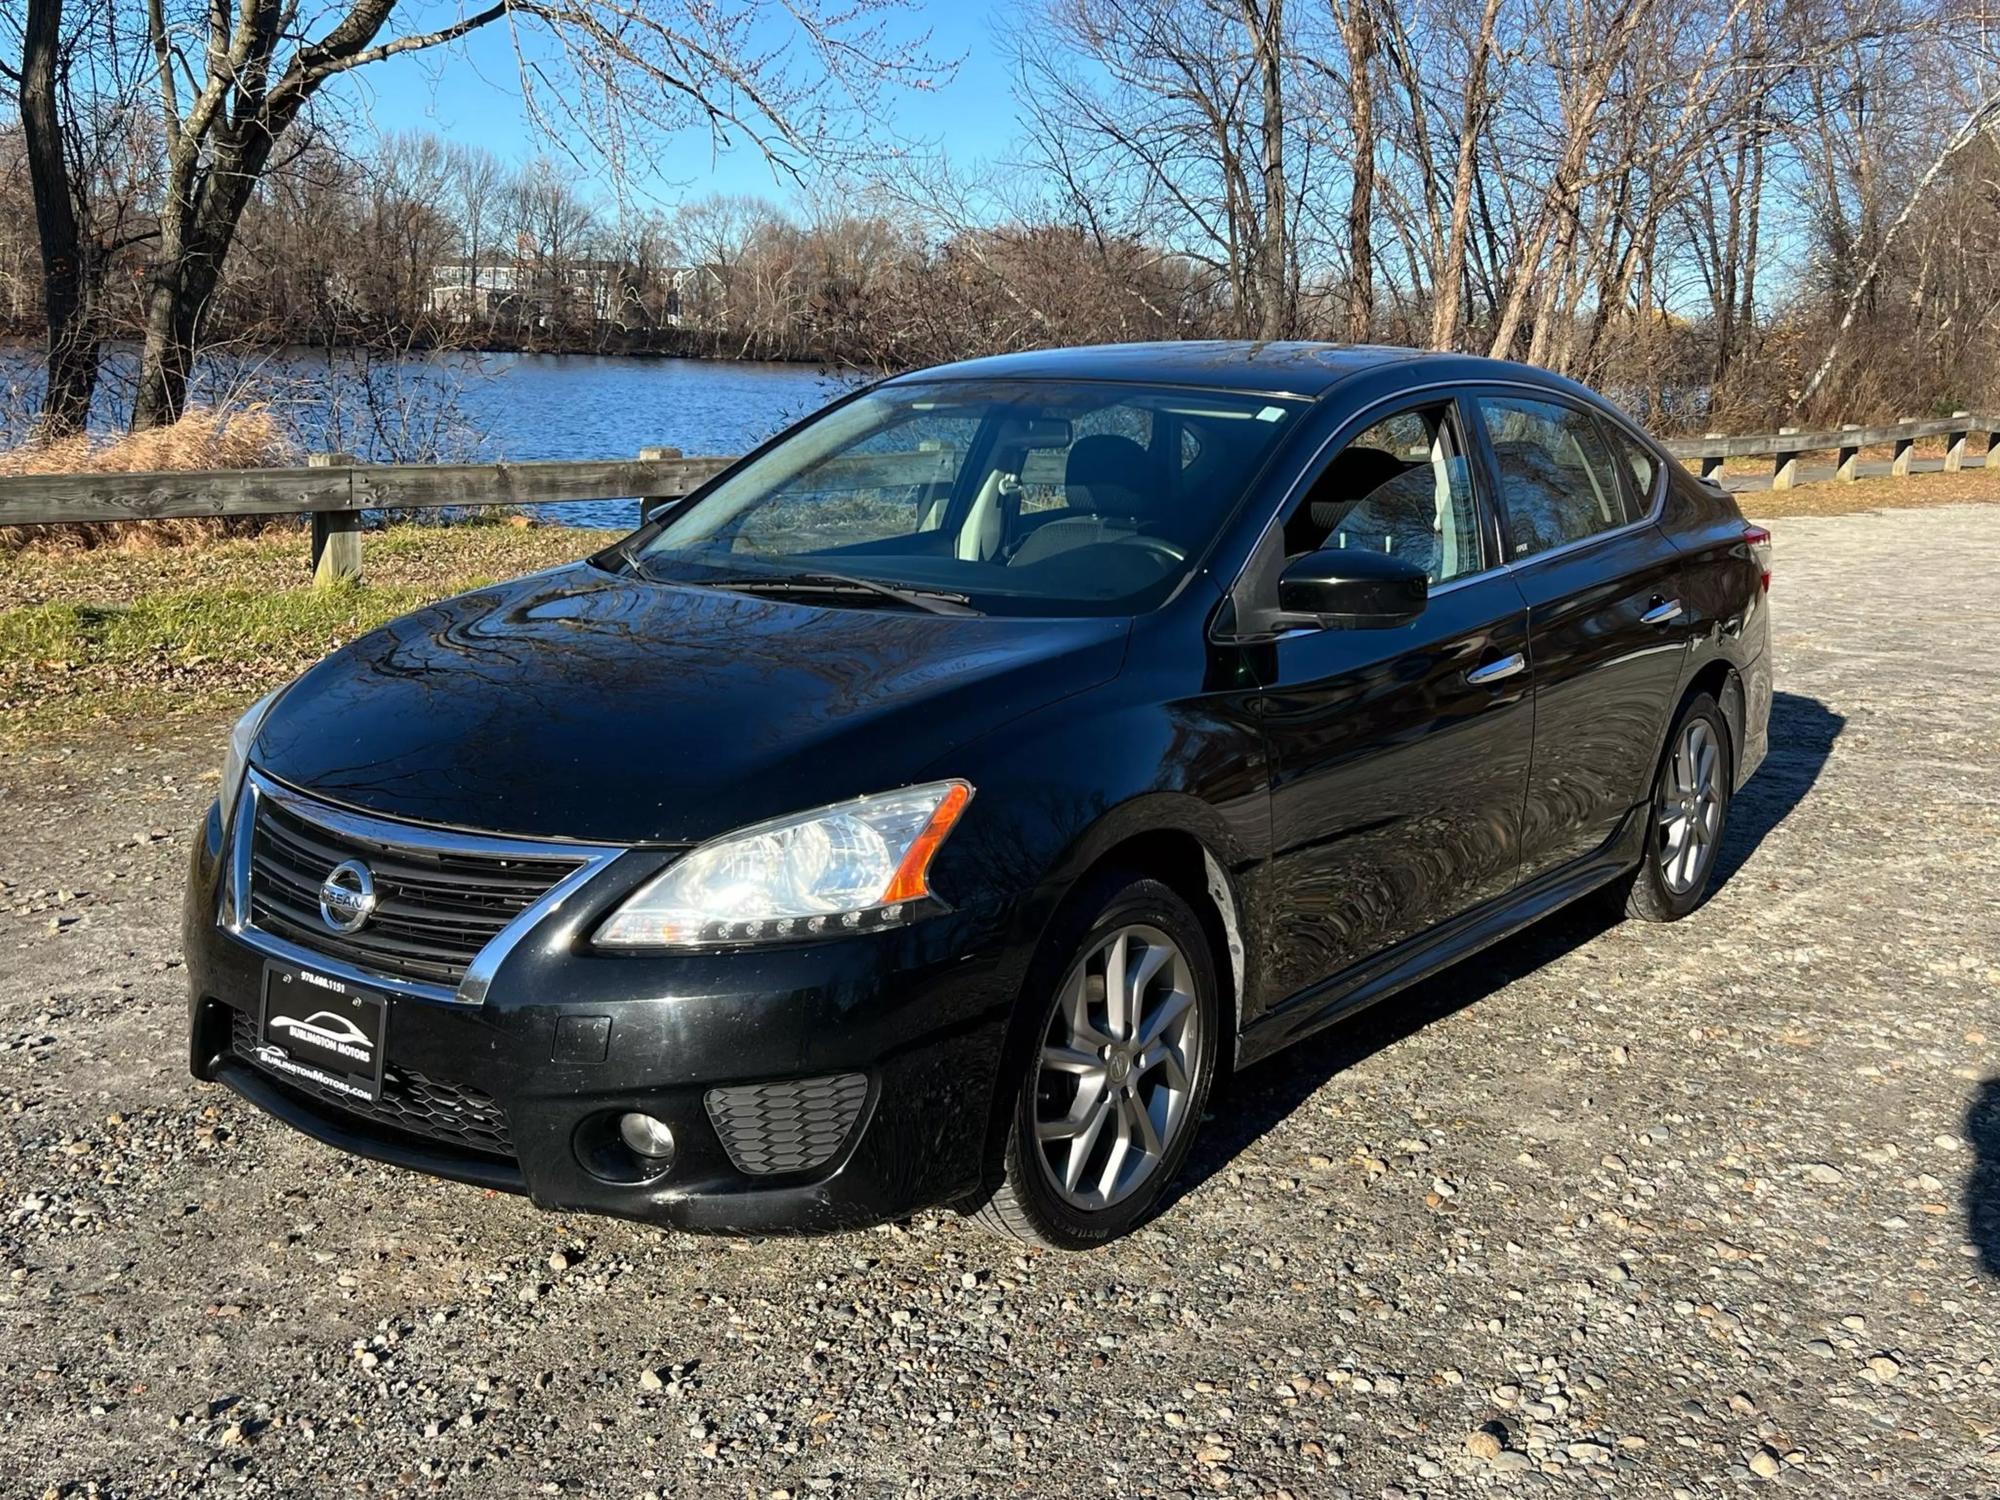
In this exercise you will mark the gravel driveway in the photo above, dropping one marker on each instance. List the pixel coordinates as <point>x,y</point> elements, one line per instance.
<point>1624,1210</point>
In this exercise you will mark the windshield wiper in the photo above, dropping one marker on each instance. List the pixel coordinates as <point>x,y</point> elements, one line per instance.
<point>936,601</point>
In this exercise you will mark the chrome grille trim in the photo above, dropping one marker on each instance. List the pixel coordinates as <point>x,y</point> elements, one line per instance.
<point>237,916</point>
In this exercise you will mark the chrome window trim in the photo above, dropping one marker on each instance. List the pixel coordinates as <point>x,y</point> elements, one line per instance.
<point>234,916</point>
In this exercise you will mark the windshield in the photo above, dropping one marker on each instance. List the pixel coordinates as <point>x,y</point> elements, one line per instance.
<point>1009,497</point>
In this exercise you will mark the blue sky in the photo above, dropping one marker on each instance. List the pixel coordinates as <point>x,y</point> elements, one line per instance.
<point>471,93</point>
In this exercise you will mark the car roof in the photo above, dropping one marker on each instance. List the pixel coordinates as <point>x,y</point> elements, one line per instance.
<point>1275,368</point>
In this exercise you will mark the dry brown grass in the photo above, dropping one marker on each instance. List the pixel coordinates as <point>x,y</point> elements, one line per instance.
<point>1829,498</point>
<point>248,438</point>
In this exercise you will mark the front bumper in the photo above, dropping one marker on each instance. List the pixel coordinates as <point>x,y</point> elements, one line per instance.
<point>566,1039</point>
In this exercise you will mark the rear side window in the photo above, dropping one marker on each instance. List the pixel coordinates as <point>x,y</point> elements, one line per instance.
<point>1640,465</point>
<point>1559,481</point>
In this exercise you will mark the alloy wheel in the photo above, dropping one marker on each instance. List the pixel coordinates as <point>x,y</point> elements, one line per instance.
<point>1690,807</point>
<point>1113,1081</point>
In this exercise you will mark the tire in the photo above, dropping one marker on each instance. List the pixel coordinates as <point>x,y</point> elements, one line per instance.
<point>1077,1060</point>
<point>1673,880</point>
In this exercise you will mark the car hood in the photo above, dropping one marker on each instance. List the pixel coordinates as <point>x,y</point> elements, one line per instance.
<point>581,704</point>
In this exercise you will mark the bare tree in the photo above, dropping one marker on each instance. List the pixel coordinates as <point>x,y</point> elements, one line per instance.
<point>1186,146</point>
<point>76,85</point>
<point>234,80</point>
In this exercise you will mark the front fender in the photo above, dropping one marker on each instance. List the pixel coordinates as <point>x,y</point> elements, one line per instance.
<point>1059,791</point>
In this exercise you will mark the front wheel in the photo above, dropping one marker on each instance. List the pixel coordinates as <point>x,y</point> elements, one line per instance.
<point>1689,813</point>
<point>1111,1089</point>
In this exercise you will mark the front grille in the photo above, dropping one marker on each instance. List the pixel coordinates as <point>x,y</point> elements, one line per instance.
<point>412,1102</point>
<point>786,1127</point>
<point>436,908</point>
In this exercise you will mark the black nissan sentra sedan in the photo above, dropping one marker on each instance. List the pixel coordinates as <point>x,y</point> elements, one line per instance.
<point>937,804</point>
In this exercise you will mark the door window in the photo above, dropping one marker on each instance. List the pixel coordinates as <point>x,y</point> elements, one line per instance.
<point>1558,479</point>
<point>1403,487</point>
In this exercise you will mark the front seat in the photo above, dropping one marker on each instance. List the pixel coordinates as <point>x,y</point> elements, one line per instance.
<point>1104,488</point>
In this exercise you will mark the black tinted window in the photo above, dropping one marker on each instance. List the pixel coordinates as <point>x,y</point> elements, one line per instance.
<point>1558,479</point>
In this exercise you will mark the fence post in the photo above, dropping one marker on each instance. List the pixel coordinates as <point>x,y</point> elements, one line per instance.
<point>1849,457</point>
<point>336,534</point>
<point>648,503</point>
<point>1954,456</point>
<point>1711,463</point>
<point>1785,469</point>
<point>1906,449</point>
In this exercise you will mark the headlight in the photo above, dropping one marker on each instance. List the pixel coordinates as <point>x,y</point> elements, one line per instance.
<point>846,868</point>
<point>240,740</point>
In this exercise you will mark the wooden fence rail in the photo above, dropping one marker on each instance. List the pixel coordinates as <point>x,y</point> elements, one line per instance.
<point>1787,445</point>
<point>336,491</point>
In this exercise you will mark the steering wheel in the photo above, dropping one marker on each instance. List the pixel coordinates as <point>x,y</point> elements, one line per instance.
<point>1153,544</point>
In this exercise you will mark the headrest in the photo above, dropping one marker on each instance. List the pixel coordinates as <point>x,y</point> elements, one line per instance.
<point>1107,474</point>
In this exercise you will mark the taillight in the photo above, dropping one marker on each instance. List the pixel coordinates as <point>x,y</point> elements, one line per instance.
<point>1759,542</point>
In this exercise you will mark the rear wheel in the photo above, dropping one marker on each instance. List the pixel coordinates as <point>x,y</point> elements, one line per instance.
<point>1689,814</point>
<point>1110,1090</point>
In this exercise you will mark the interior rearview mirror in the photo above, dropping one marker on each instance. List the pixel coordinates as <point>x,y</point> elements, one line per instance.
<point>1045,432</point>
<point>1352,589</point>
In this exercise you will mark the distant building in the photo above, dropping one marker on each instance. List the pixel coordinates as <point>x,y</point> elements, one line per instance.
<point>534,293</point>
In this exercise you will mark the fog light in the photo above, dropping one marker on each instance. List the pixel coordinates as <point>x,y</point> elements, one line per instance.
<point>647,1136</point>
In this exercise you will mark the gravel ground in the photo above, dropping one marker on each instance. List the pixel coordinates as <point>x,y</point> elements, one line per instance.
<point>1666,1212</point>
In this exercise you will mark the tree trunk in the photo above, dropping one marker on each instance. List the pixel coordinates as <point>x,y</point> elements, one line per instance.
<point>195,233</point>
<point>1274,254</point>
<point>69,270</point>
<point>1360,38</point>
<point>1746,313</point>
<point>1448,296</point>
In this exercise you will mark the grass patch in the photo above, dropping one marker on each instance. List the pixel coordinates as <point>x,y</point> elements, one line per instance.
<point>108,635</point>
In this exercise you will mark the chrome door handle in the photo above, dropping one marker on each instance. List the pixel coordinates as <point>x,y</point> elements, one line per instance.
<point>1663,610</point>
<point>1497,671</point>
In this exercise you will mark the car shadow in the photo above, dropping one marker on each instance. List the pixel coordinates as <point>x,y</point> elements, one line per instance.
<point>1258,1098</point>
<point>1802,734</point>
<point>1982,1188</point>
<point>1803,731</point>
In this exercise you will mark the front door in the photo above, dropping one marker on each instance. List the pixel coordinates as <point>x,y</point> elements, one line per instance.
<point>1606,624</point>
<point>1399,756</point>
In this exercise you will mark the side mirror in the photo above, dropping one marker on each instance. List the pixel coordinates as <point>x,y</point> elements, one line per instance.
<point>1344,589</point>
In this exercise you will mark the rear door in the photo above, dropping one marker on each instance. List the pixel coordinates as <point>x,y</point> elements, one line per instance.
<point>1399,756</point>
<point>1606,625</point>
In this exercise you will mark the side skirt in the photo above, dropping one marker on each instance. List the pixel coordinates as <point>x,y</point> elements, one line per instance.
<point>1361,985</point>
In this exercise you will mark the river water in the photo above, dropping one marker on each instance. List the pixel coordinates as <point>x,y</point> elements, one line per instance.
<point>464,407</point>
